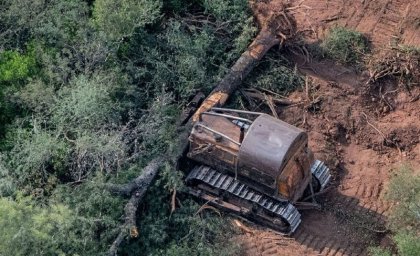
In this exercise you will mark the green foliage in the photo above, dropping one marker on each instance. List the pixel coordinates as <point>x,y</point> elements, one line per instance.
<point>38,158</point>
<point>86,229</point>
<point>248,31</point>
<point>274,74</point>
<point>119,19</point>
<point>408,49</point>
<point>184,232</point>
<point>157,129</point>
<point>404,221</point>
<point>6,113</point>
<point>345,45</point>
<point>226,9</point>
<point>189,62</point>
<point>404,188</point>
<point>15,66</point>
<point>378,251</point>
<point>86,104</point>
<point>15,69</point>
<point>54,22</point>
<point>61,22</point>
<point>31,230</point>
<point>97,216</point>
<point>94,89</point>
<point>408,243</point>
<point>36,96</point>
<point>179,65</point>
<point>240,22</point>
<point>85,56</point>
<point>178,6</point>
<point>16,20</point>
<point>7,183</point>
<point>179,62</point>
<point>187,56</point>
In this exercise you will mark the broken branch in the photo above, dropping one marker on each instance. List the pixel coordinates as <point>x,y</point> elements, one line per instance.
<point>142,182</point>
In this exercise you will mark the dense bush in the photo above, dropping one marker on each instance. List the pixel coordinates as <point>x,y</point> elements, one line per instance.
<point>15,69</point>
<point>15,66</point>
<point>27,229</point>
<point>120,19</point>
<point>89,92</point>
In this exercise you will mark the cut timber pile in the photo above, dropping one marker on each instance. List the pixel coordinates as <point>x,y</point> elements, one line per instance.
<point>396,62</point>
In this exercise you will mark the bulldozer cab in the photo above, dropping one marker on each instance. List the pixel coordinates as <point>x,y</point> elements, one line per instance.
<point>262,151</point>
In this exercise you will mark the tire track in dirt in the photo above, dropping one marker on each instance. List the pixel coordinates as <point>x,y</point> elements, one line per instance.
<point>316,245</point>
<point>388,26</point>
<point>311,240</point>
<point>368,196</point>
<point>383,21</point>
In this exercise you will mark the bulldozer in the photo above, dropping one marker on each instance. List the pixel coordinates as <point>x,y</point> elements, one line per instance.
<point>253,165</point>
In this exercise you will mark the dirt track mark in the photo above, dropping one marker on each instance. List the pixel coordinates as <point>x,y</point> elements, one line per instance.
<point>316,244</point>
<point>389,23</point>
<point>385,22</point>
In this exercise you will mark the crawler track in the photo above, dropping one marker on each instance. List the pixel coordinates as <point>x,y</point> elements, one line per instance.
<point>274,212</point>
<point>231,194</point>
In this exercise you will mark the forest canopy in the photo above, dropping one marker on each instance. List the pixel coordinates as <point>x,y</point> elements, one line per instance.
<point>90,91</point>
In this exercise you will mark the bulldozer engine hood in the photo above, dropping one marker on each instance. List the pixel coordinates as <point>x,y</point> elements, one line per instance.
<point>267,146</point>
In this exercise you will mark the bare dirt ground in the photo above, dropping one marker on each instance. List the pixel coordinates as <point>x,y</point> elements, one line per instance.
<point>363,132</point>
<point>383,21</point>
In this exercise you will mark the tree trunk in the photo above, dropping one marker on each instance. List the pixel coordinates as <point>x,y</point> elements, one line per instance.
<point>242,67</point>
<point>142,183</point>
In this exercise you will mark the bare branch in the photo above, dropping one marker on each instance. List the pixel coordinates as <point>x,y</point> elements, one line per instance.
<point>139,187</point>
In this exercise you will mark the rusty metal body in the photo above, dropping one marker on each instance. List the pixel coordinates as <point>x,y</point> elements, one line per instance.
<point>256,166</point>
<point>271,155</point>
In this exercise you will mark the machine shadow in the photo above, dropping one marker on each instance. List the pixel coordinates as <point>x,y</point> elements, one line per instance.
<point>345,224</point>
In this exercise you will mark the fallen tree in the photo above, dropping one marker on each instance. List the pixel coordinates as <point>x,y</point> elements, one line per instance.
<point>138,188</point>
<point>276,25</point>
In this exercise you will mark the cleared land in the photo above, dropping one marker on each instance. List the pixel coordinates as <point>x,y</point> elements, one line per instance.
<point>363,132</point>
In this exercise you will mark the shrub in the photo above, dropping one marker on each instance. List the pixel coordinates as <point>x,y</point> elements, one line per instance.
<point>408,243</point>
<point>184,232</point>
<point>97,215</point>
<point>27,229</point>
<point>120,19</point>
<point>36,96</point>
<point>404,221</point>
<point>345,45</point>
<point>226,9</point>
<point>7,183</point>
<point>377,251</point>
<point>87,103</point>
<point>61,23</point>
<point>275,74</point>
<point>15,69</point>
<point>15,66</point>
<point>404,188</point>
<point>38,158</point>
<point>80,127</point>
